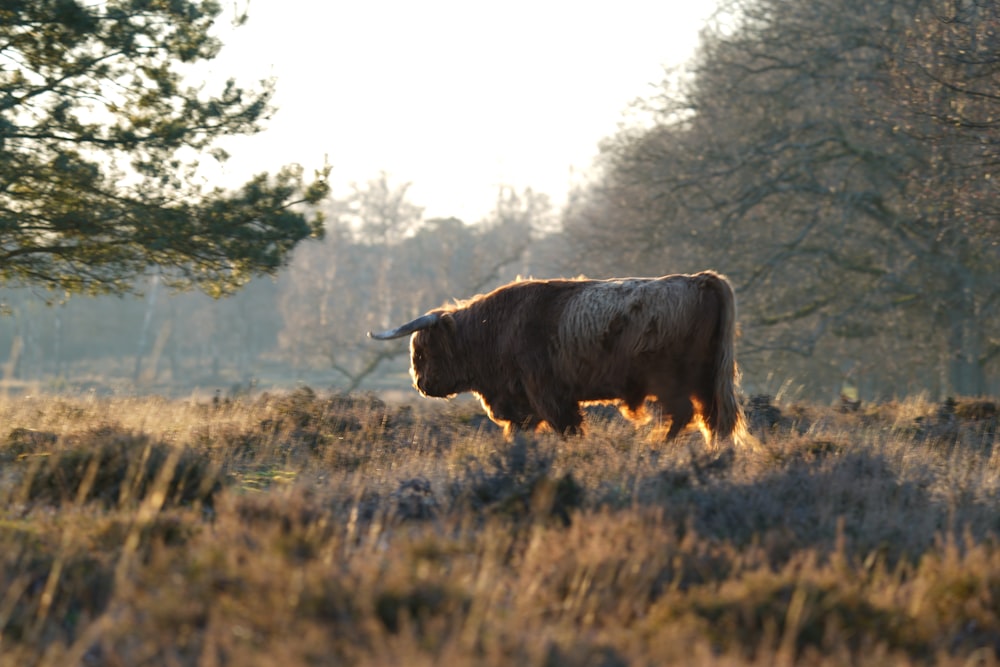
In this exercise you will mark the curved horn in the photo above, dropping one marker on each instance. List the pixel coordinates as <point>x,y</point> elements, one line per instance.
<point>422,322</point>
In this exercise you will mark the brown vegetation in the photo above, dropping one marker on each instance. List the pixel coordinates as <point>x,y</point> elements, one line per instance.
<point>302,529</point>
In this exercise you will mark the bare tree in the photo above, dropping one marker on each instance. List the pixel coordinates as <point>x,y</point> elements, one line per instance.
<point>814,156</point>
<point>382,263</point>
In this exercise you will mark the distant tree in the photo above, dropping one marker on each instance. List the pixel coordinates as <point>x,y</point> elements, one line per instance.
<point>99,143</point>
<point>379,211</point>
<point>946,80</point>
<point>340,287</point>
<point>837,159</point>
<point>518,225</point>
<point>382,264</point>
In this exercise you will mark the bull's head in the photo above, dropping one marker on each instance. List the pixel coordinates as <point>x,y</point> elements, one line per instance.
<point>432,358</point>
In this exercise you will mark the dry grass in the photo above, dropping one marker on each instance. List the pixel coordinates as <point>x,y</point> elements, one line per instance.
<point>312,530</point>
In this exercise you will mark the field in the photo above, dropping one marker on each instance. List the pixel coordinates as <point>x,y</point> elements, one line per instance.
<point>311,529</point>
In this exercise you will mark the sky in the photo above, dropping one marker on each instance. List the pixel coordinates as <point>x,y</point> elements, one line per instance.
<point>456,98</point>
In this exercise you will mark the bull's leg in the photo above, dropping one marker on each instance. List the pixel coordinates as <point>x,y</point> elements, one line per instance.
<point>563,416</point>
<point>633,403</point>
<point>510,428</point>
<point>568,420</point>
<point>705,403</point>
<point>524,422</point>
<point>678,407</point>
<point>681,413</point>
<point>511,412</point>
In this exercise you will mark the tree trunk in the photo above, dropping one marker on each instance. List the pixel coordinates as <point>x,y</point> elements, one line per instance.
<point>147,321</point>
<point>966,376</point>
<point>965,371</point>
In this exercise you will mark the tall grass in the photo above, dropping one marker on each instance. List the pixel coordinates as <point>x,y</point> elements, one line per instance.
<point>301,529</point>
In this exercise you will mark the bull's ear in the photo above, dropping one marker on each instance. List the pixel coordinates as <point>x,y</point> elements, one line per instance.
<point>448,321</point>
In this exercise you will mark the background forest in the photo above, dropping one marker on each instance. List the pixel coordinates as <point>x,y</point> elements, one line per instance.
<point>835,158</point>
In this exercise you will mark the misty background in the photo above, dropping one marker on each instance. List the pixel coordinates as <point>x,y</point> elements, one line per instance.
<point>835,158</point>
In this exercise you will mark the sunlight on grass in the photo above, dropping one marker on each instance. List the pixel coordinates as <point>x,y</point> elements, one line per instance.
<point>303,529</point>
<point>260,480</point>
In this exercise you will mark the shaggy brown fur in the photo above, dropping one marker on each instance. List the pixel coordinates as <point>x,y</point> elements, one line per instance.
<point>534,350</point>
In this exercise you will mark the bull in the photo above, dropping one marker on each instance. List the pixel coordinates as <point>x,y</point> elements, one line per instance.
<point>534,351</point>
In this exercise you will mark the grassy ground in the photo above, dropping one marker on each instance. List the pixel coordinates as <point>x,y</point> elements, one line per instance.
<point>300,529</point>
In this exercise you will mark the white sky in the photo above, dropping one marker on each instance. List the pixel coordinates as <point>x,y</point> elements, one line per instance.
<point>455,97</point>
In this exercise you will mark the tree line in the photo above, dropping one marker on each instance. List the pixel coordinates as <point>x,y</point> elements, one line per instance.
<point>379,262</point>
<point>835,158</point>
<point>838,159</point>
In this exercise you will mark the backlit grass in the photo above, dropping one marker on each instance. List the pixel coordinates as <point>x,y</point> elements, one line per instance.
<point>308,529</point>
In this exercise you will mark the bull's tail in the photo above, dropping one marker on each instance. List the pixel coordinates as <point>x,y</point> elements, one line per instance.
<point>725,418</point>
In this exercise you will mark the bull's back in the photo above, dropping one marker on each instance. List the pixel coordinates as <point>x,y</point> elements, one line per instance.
<point>627,317</point>
<point>519,321</point>
<point>593,335</point>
